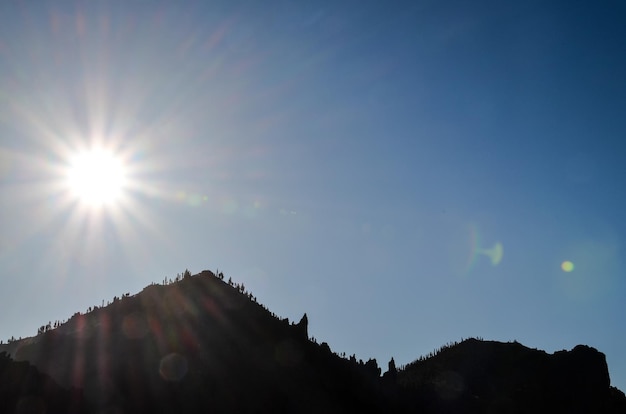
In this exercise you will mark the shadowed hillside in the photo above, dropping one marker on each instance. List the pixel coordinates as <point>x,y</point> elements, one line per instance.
<point>204,345</point>
<point>199,344</point>
<point>487,376</point>
<point>23,389</point>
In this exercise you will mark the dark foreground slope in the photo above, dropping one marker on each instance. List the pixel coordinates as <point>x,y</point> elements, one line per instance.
<point>23,389</point>
<point>204,345</point>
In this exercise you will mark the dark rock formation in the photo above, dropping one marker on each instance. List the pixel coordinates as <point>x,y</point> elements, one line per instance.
<point>203,345</point>
<point>198,345</point>
<point>486,376</point>
<point>23,389</point>
<point>303,327</point>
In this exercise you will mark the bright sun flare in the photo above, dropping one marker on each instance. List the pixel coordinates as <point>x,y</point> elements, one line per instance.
<point>96,177</point>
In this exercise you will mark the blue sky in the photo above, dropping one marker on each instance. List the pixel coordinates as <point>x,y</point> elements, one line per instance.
<point>348,159</point>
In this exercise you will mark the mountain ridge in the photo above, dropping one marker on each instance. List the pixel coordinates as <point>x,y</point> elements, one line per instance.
<point>201,343</point>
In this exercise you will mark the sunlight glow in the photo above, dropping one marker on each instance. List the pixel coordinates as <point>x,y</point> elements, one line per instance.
<point>96,177</point>
<point>96,146</point>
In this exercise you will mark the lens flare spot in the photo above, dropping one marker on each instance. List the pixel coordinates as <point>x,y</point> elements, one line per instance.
<point>494,254</point>
<point>194,200</point>
<point>230,206</point>
<point>567,266</point>
<point>173,367</point>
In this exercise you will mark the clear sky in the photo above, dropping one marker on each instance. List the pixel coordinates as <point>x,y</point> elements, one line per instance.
<point>407,173</point>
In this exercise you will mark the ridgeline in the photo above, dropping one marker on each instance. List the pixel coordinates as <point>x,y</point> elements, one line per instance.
<point>202,344</point>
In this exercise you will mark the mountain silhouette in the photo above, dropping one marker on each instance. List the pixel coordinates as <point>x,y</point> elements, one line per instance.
<point>201,344</point>
<point>477,376</point>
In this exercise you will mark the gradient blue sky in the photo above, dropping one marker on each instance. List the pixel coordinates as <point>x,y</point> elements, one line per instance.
<point>347,159</point>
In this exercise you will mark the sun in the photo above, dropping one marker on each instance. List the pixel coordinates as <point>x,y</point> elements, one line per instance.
<point>96,177</point>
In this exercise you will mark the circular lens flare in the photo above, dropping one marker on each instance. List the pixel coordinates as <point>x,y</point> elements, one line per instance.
<point>567,266</point>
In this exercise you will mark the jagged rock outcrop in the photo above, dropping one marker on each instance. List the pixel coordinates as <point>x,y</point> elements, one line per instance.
<point>303,327</point>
